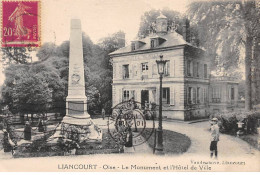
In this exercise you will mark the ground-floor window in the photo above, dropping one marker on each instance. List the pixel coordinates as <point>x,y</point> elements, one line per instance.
<point>206,96</point>
<point>128,94</point>
<point>192,95</point>
<point>232,93</point>
<point>198,95</point>
<point>166,96</point>
<point>189,95</point>
<point>216,94</point>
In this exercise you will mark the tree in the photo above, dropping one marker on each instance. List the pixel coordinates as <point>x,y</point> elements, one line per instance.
<point>32,88</point>
<point>26,92</point>
<point>225,28</point>
<point>46,50</point>
<point>108,45</point>
<point>176,18</point>
<point>17,55</point>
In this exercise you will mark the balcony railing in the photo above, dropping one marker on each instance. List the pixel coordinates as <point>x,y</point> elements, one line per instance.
<point>223,78</point>
<point>126,76</point>
<point>216,100</point>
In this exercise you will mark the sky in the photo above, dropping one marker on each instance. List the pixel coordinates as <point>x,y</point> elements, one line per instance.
<point>99,18</point>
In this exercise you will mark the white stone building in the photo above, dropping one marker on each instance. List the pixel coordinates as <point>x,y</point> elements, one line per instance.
<point>186,81</point>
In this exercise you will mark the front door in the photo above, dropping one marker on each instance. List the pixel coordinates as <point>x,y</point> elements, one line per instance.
<point>144,97</point>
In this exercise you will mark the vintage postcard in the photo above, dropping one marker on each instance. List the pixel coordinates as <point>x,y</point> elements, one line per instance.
<point>130,86</point>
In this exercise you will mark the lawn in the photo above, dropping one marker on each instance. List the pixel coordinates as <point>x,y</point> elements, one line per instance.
<point>174,143</point>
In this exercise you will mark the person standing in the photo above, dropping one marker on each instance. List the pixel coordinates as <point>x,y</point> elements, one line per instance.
<point>40,125</point>
<point>214,137</point>
<point>27,131</point>
<point>103,113</point>
<point>128,148</point>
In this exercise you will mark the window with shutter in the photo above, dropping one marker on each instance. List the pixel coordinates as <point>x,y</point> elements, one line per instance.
<point>189,95</point>
<point>205,71</point>
<point>167,69</point>
<point>126,95</point>
<point>193,95</point>
<point>201,95</point>
<point>126,71</point>
<point>173,68</point>
<point>145,67</point>
<point>204,95</point>
<point>189,69</point>
<point>197,71</point>
<point>133,70</point>
<point>172,89</point>
<point>132,94</point>
<point>120,95</point>
<point>194,69</point>
<point>232,93</point>
<point>198,95</point>
<point>166,96</point>
<point>155,71</point>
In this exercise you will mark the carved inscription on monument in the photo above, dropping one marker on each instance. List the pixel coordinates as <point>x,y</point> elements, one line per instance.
<point>76,107</point>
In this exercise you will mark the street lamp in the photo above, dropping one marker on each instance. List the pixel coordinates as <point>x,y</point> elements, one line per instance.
<point>161,66</point>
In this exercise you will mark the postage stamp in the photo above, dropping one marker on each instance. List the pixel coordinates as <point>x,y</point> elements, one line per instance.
<point>20,23</point>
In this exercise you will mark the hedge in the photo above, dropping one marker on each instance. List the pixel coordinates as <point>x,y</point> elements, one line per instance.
<point>228,121</point>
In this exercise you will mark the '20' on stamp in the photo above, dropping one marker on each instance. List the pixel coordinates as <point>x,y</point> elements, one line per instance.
<point>20,23</point>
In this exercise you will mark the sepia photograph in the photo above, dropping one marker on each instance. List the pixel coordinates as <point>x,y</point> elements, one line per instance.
<point>130,86</point>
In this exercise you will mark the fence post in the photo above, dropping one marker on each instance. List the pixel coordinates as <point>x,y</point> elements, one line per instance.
<point>154,141</point>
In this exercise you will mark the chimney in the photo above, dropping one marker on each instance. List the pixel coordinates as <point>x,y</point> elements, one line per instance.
<point>185,31</point>
<point>121,39</point>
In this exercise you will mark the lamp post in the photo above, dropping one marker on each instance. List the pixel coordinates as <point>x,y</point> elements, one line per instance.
<point>161,66</point>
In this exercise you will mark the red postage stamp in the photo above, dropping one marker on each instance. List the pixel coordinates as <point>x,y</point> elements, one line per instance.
<point>20,23</point>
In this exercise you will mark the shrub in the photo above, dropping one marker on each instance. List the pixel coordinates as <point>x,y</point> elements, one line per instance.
<point>228,121</point>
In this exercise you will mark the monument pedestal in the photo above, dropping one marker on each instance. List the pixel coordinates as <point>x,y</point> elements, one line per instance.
<point>80,129</point>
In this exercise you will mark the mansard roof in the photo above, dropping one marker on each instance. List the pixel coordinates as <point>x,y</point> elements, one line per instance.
<point>172,39</point>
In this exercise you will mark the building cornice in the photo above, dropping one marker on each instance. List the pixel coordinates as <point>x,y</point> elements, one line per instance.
<point>148,51</point>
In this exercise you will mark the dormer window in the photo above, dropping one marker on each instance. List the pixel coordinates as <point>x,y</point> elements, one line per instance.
<point>152,43</point>
<point>156,41</point>
<point>133,46</point>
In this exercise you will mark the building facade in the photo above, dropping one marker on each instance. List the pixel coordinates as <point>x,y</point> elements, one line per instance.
<point>186,82</point>
<point>224,94</point>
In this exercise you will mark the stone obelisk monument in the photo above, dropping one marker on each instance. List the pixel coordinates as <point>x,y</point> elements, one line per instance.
<point>77,124</point>
<point>76,102</point>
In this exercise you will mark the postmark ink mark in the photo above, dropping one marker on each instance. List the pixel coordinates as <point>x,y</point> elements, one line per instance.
<point>129,116</point>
